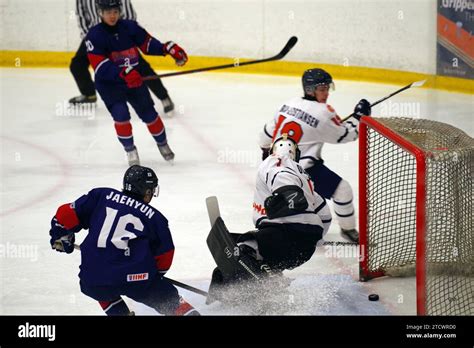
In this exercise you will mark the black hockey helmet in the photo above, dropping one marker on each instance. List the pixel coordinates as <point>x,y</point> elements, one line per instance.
<point>108,4</point>
<point>138,180</point>
<point>313,78</point>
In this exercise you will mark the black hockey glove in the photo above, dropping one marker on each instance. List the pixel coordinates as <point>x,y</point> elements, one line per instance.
<point>362,109</point>
<point>265,153</point>
<point>286,201</point>
<point>61,240</point>
<point>65,244</point>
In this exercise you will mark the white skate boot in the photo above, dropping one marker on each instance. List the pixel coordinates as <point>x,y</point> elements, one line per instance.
<point>132,157</point>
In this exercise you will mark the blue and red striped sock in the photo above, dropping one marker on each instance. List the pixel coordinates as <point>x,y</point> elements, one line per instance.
<point>116,307</point>
<point>157,130</point>
<point>124,134</point>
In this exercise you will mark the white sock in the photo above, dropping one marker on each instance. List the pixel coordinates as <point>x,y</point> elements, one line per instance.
<point>343,206</point>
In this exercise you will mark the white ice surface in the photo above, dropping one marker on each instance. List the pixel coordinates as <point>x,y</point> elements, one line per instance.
<point>48,159</point>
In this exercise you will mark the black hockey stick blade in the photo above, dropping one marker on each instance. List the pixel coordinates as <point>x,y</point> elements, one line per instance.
<point>289,45</point>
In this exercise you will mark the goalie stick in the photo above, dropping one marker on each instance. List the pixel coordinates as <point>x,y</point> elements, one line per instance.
<point>212,209</point>
<point>289,45</point>
<point>214,212</point>
<point>172,281</point>
<point>222,244</point>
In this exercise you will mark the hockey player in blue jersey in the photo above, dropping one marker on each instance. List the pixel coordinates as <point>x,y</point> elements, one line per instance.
<point>112,48</point>
<point>128,248</point>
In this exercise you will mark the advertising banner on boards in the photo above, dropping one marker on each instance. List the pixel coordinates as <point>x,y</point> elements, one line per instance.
<point>455,39</point>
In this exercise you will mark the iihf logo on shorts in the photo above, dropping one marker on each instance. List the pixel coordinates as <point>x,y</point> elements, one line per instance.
<point>137,277</point>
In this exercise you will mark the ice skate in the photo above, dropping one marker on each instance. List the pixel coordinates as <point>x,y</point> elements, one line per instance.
<point>168,106</point>
<point>351,235</point>
<point>185,309</point>
<point>83,99</point>
<point>132,157</point>
<point>166,152</point>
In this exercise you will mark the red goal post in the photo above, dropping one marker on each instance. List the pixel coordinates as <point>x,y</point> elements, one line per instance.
<point>416,209</point>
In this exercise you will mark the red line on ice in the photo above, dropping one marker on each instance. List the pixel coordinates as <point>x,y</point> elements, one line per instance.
<point>64,172</point>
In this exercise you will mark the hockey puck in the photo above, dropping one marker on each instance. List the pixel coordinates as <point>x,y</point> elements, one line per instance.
<point>373,297</point>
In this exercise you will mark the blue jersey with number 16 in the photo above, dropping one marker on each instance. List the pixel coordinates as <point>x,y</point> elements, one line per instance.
<point>128,240</point>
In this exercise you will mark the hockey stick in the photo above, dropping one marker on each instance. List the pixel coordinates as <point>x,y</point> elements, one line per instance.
<point>289,45</point>
<point>413,84</point>
<point>187,287</point>
<point>172,281</point>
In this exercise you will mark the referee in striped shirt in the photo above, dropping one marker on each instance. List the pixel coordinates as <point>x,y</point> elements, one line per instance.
<point>88,17</point>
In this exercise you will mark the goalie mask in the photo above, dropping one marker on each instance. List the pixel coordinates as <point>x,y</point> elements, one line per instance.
<point>286,146</point>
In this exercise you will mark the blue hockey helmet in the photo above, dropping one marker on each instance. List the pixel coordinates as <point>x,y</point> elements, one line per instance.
<point>313,78</point>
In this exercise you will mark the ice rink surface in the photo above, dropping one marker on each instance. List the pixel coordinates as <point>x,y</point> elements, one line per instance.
<point>50,156</point>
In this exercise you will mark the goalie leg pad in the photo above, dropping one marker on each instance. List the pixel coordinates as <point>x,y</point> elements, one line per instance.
<point>234,262</point>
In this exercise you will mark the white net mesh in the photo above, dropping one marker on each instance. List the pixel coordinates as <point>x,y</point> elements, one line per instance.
<point>391,196</point>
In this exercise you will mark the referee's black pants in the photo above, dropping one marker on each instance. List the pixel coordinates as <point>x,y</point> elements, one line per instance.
<point>80,71</point>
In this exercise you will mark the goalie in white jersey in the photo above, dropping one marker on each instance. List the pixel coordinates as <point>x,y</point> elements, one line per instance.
<point>311,123</point>
<point>279,178</point>
<point>289,215</point>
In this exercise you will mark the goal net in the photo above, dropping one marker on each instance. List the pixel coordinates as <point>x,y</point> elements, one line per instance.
<point>416,209</point>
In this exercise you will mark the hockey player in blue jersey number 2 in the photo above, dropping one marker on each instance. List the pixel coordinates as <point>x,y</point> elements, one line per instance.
<point>112,47</point>
<point>128,248</point>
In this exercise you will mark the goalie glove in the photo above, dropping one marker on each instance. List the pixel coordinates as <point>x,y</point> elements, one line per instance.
<point>286,201</point>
